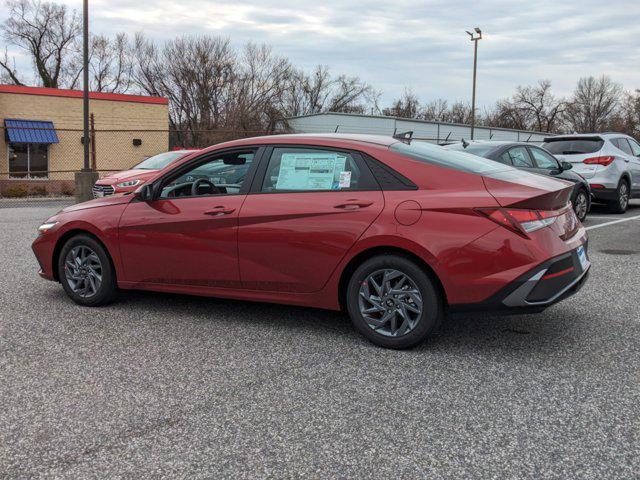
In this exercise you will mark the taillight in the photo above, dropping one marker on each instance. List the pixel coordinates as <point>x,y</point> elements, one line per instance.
<point>521,221</point>
<point>604,161</point>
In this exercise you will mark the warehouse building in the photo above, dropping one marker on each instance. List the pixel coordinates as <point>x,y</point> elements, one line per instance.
<point>42,145</point>
<point>435,132</point>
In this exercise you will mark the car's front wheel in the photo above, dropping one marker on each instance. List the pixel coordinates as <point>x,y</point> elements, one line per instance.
<point>581,204</point>
<point>622,201</point>
<point>86,272</point>
<point>393,302</point>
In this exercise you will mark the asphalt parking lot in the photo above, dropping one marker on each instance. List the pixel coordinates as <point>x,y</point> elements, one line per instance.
<point>191,387</point>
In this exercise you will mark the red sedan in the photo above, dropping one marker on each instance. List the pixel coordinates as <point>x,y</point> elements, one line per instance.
<point>395,232</point>
<point>129,180</point>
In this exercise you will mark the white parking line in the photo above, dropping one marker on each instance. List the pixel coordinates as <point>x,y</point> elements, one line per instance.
<point>612,222</point>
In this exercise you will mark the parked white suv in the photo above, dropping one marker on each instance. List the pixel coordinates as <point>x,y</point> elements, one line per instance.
<point>609,161</point>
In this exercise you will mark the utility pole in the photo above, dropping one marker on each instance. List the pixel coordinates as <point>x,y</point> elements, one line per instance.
<point>85,177</point>
<point>85,80</point>
<point>474,38</point>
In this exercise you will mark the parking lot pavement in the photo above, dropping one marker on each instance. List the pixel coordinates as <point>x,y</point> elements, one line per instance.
<point>161,385</point>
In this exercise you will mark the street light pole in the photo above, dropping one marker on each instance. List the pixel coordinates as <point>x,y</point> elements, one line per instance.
<point>474,38</point>
<point>85,81</point>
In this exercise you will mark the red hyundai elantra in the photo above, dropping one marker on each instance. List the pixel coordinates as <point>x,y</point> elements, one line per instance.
<point>394,232</point>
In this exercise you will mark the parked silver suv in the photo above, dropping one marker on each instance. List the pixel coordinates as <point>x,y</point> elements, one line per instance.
<point>609,161</point>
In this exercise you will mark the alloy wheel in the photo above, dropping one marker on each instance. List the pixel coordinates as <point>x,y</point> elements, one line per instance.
<point>83,271</point>
<point>390,302</point>
<point>623,195</point>
<point>581,205</point>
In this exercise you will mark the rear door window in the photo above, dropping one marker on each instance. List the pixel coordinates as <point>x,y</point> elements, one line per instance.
<point>518,156</point>
<point>573,146</point>
<point>543,159</point>
<point>293,169</point>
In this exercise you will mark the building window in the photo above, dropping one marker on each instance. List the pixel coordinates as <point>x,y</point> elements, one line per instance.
<point>28,160</point>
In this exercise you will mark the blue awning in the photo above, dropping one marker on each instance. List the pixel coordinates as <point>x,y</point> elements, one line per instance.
<point>30,131</point>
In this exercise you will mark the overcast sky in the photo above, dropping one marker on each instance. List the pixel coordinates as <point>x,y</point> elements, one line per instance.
<point>418,44</point>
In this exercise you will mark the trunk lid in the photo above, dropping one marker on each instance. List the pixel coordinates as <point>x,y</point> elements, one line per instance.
<point>520,189</point>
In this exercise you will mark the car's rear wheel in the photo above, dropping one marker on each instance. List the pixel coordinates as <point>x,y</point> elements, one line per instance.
<point>622,201</point>
<point>393,302</point>
<point>86,272</point>
<point>581,204</point>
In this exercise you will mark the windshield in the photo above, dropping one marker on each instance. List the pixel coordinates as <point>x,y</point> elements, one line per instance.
<point>429,153</point>
<point>158,162</point>
<point>573,146</point>
<point>476,149</point>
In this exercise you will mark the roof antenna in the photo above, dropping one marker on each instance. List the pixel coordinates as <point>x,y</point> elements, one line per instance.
<point>465,144</point>
<point>336,130</point>
<point>529,138</point>
<point>490,136</point>
<point>447,139</point>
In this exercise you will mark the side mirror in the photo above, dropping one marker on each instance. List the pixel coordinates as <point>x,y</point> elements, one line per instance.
<point>566,166</point>
<point>144,193</point>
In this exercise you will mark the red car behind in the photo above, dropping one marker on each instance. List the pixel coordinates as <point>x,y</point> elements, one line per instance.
<point>394,232</point>
<point>129,180</point>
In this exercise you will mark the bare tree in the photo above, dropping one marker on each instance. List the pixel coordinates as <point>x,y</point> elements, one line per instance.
<point>436,111</point>
<point>540,107</point>
<point>530,108</point>
<point>350,95</point>
<point>318,92</point>
<point>48,33</point>
<point>407,106</point>
<point>627,117</point>
<point>260,88</point>
<point>460,112</point>
<point>196,74</point>
<point>593,104</point>
<point>110,64</point>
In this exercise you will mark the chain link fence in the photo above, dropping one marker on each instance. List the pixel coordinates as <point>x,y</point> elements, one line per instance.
<point>38,165</point>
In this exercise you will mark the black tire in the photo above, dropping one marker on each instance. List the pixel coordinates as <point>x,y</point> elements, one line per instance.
<point>621,203</point>
<point>581,209</point>
<point>107,290</point>
<point>426,322</point>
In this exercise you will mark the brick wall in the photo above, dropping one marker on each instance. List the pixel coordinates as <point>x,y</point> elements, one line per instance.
<point>114,150</point>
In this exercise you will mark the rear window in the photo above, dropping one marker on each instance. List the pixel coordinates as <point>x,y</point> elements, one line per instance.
<point>573,146</point>
<point>436,155</point>
<point>480,150</point>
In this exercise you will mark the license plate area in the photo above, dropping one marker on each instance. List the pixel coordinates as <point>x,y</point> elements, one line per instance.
<point>582,257</point>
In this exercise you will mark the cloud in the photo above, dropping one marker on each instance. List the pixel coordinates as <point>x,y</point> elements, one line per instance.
<point>421,45</point>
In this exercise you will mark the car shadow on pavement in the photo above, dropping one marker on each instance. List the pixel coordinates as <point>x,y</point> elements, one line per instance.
<point>462,333</point>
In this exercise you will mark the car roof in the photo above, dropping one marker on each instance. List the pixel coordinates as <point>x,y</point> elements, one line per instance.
<point>604,135</point>
<point>301,138</point>
<point>497,143</point>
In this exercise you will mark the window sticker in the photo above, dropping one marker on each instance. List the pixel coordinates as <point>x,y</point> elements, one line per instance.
<point>345,180</point>
<point>310,171</point>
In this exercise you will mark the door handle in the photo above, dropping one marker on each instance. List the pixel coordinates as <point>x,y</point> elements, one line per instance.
<point>219,210</point>
<point>353,205</point>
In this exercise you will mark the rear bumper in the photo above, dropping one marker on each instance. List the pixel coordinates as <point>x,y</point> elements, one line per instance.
<point>550,282</point>
<point>605,194</point>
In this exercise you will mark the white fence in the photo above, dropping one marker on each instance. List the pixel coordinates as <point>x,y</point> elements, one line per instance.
<point>435,132</point>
